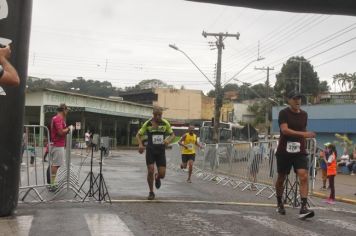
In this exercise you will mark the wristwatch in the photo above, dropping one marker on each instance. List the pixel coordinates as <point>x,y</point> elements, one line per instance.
<point>1,71</point>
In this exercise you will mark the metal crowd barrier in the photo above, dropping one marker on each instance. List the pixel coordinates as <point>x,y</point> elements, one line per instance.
<point>244,166</point>
<point>36,174</point>
<point>33,173</point>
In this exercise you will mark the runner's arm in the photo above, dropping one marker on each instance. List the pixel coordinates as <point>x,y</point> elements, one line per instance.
<point>301,134</point>
<point>181,141</point>
<point>171,136</point>
<point>140,133</point>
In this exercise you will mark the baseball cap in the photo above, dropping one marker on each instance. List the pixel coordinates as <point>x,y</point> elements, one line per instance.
<point>62,107</point>
<point>294,94</point>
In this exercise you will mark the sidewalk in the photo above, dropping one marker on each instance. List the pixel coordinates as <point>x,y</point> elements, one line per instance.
<point>345,187</point>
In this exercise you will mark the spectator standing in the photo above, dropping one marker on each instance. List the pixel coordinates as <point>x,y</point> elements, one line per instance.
<point>331,171</point>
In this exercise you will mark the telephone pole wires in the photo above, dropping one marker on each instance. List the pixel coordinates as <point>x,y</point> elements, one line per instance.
<point>220,37</point>
<point>267,96</point>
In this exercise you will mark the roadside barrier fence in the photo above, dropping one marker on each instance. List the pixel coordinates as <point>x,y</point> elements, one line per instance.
<point>246,166</point>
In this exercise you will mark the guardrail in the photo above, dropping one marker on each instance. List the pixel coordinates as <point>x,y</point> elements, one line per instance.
<point>33,174</point>
<point>245,166</point>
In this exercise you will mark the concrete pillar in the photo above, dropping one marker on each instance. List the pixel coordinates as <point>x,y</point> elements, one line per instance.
<point>42,123</point>
<point>115,132</point>
<point>128,132</point>
<point>15,24</point>
<point>42,116</point>
<point>84,128</point>
<point>100,125</point>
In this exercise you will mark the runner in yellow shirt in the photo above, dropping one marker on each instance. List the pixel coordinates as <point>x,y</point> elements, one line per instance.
<point>188,143</point>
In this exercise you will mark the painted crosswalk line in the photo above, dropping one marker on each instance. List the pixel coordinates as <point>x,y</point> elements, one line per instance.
<point>106,224</point>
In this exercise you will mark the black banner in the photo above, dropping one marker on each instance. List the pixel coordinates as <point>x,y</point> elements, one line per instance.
<point>15,24</point>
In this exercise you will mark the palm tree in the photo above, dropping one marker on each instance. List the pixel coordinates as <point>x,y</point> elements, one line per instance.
<point>345,80</point>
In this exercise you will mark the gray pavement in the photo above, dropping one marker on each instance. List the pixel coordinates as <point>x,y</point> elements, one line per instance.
<point>345,186</point>
<point>200,208</point>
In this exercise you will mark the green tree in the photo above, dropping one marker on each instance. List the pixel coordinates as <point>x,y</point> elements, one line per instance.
<point>230,87</point>
<point>149,83</point>
<point>288,78</point>
<point>259,110</point>
<point>324,87</point>
<point>346,80</point>
<point>226,88</point>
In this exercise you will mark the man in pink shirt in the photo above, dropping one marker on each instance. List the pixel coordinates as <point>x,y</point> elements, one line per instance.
<point>59,130</point>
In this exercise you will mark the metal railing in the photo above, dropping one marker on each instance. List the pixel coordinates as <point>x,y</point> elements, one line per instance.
<point>33,174</point>
<point>244,165</point>
<point>36,174</point>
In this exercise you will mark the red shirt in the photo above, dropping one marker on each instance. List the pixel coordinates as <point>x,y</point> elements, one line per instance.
<point>58,123</point>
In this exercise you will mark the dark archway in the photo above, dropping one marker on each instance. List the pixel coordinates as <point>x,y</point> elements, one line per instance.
<point>336,7</point>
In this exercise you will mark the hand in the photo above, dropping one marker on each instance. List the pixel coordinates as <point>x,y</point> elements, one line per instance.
<point>166,143</point>
<point>141,149</point>
<point>5,52</point>
<point>309,134</point>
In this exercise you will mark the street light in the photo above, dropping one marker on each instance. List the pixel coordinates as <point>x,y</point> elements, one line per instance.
<point>176,48</point>
<point>243,68</point>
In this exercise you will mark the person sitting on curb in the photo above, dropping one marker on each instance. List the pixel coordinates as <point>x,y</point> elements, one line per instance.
<point>344,159</point>
<point>352,164</point>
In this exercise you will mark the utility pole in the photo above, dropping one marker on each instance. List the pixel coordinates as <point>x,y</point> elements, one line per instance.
<point>220,37</point>
<point>300,61</point>
<point>267,96</point>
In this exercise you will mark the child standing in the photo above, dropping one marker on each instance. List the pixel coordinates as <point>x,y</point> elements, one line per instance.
<point>323,165</point>
<point>331,172</point>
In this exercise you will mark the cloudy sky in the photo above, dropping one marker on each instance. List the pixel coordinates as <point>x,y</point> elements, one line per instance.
<point>126,41</point>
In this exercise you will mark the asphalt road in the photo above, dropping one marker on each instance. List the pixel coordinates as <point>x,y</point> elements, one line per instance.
<point>200,208</point>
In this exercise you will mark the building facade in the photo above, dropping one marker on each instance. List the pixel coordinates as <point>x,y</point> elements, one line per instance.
<point>119,120</point>
<point>181,106</point>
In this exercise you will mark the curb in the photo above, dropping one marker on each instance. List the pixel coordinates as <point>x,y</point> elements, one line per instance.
<point>339,199</point>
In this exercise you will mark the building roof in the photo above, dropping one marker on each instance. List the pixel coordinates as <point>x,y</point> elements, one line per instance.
<point>94,97</point>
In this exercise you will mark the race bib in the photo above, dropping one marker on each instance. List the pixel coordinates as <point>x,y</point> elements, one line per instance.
<point>157,139</point>
<point>190,146</point>
<point>293,147</point>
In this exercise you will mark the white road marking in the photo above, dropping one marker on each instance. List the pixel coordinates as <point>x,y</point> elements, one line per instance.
<point>280,226</point>
<point>15,226</point>
<point>339,223</point>
<point>335,209</point>
<point>106,224</point>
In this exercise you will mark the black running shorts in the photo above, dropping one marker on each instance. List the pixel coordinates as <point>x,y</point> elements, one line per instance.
<point>157,156</point>
<point>285,163</point>
<point>187,157</point>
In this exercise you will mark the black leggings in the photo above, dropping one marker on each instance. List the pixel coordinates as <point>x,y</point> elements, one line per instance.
<point>332,186</point>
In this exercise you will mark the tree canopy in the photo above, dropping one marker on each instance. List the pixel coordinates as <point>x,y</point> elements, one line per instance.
<point>288,78</point>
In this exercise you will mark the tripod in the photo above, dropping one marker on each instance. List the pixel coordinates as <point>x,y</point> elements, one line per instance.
<point>102,189</point>
<point>291,192</point>
<point>91,177</point>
